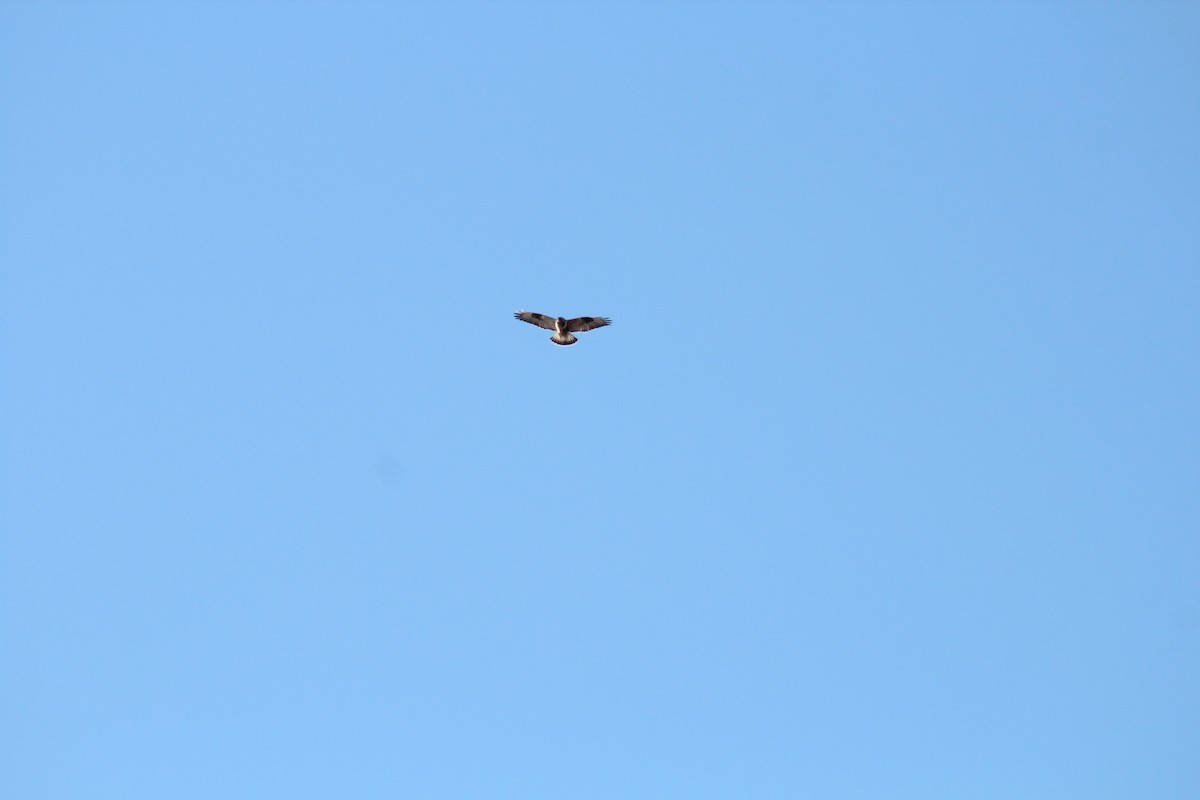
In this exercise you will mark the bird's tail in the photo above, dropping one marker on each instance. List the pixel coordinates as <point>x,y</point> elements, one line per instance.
<point>564,339</point>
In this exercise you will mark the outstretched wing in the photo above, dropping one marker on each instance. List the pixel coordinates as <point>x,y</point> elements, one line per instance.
<point>541,320</point>
<point>580,324</point>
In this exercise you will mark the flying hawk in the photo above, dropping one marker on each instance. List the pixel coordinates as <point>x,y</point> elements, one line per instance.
<point>563,328</point>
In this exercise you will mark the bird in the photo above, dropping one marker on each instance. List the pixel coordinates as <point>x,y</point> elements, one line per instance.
<point>563,328</point>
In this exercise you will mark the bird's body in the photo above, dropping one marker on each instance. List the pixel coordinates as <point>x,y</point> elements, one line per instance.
<point>563,328</point>
<point>562,333</point>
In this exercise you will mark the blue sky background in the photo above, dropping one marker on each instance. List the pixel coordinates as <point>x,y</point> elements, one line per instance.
<point>883,483</point>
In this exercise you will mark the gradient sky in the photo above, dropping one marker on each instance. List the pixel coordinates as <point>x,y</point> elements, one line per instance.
<point>884,483</point>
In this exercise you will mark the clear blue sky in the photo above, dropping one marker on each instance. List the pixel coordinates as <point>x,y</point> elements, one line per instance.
<point>884,483</point>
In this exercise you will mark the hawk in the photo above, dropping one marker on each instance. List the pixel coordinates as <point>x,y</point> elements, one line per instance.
<point>563,328</point>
